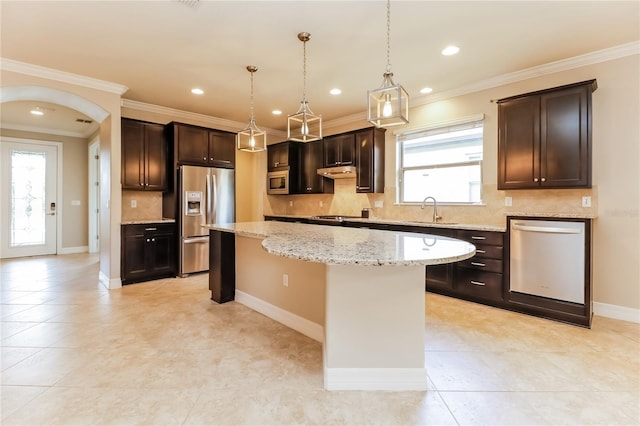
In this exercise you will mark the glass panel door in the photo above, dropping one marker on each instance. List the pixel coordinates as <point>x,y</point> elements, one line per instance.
<point>29,196</point>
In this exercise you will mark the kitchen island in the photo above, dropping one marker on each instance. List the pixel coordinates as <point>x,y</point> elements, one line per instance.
<point>371,298</point>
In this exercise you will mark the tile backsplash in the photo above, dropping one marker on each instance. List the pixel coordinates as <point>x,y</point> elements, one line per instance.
<point>345,201</point>
<point>148,205</point>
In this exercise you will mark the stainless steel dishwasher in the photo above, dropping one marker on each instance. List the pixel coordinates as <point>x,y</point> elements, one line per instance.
<point>547,259</point>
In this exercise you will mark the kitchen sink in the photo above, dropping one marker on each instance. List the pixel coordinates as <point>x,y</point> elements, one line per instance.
<point>428,222</point>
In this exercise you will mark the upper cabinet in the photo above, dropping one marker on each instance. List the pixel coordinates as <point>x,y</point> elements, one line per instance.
<point>144,156</point>
<point>544,138</point>
<point>312,159</point>
<point>281,155</point>
<point>369,144</point>
<point>339,150</point>
<point>200,146</point>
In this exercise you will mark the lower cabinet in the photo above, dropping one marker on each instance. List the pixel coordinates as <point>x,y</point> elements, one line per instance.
<point>148,252</point>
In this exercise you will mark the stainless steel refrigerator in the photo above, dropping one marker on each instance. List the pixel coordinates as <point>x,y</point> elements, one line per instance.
<point>207,196</point>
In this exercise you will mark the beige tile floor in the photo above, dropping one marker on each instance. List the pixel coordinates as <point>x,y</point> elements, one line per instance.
<point>74,353</point>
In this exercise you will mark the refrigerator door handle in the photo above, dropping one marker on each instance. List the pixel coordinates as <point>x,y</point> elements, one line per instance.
<point>207,211</point>
<point>196,240</point>
<point>214,196</point>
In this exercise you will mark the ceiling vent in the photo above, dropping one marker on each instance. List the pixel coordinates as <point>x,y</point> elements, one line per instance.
<point>82,120</point>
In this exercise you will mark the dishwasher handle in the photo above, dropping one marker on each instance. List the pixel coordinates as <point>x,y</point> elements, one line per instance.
<point>546,229</point>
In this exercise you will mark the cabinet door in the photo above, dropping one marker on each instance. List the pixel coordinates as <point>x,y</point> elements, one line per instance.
<point>565,154</point>
<point>161,255</point>
<point>155,158</point>
<point>369,160</point>
<point>519,143</point>
<point>132,154</point>
<point>339,150</point>
<point>312,159</point>
<point>439,277</point>
<point>278,156</point>
<point>193,145</point>
<point>134,247</point>
<point>222,149</point>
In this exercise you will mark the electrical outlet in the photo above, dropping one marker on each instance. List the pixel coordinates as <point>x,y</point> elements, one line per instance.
<point>321,204</point>
<point>285,280</point>
<point>378,204</point>
<point>134,204</point>
<point>586,201</point>
<point>290,203</point>
<point>508,201</point>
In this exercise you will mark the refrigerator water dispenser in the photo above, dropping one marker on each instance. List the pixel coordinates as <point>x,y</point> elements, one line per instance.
<point>193,203</point>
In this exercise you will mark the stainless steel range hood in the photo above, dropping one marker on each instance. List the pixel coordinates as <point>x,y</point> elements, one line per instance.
<point>339,172</point>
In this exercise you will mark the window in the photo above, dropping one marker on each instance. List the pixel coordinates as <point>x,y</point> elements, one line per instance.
<point>443,161</point>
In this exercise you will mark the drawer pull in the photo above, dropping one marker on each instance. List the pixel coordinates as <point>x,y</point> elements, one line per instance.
<point>150,229</point>
<point>475,237</point>
<point>480,251</point>
<point>477,283</point>
<point>478,264</point>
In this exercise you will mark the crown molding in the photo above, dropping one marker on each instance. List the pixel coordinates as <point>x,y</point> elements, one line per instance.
<point>616,52</point>
<point>47,131</point>
<point>215,122</point>
<point>65,77</point>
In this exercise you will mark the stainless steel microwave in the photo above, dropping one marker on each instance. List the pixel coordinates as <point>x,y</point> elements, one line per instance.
<point>278,182</point>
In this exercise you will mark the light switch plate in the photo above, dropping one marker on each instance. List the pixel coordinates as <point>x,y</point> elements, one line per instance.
<point>134,204</point>
<point>75,202</point>
<point>378,204</point>
<point>586,201</point>
<point>508,201</point>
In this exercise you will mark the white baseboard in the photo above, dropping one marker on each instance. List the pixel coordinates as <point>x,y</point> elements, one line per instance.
<point>616,312</point>
<point>110,284</point>
<point>369,379</point>
<point>73,250</point>
<point>301,325</point>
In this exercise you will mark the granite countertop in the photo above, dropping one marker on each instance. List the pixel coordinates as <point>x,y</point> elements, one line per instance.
<point>336,245</point>
<point>147,221</point>
<point>424,224</point>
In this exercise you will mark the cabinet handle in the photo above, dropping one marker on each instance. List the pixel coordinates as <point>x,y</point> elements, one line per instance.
<point>480,251</point>
<point>535,179</point>
<point>204,158</point>
<point>475,237</point>
<point>150,229</point>
<point>153,239</point>
<point>211,159</point>
<point>543,179</point>
<point>148,240</point>
<point>478,264</point>
<point>476,283</point>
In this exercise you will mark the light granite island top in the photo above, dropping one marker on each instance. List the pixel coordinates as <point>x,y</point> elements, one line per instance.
<point>361,292</point>
<point>333,245</point>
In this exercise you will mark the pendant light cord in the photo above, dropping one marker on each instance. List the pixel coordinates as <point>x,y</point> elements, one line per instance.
<point>388,35</point>
<point>304,71</point>
<point>252,117</point>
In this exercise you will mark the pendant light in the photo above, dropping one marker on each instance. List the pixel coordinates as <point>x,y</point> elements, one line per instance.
<point>388,105</point>
<point>252,139</point>
<point>304,125</point>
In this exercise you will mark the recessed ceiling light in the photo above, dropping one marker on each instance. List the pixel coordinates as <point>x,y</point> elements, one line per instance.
<point>197,91</point>
<point>426,90</point>
<point>276,112</point>
<point>335,91</point>
<point>36,111</point>
<point>450,50</point>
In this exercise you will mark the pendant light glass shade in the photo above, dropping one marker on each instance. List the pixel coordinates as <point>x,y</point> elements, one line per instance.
<point>388,105</point>
<point>304,125</point>
<point>251,138</point>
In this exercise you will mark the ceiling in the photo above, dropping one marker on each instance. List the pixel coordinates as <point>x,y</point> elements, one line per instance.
<point>160,50</point>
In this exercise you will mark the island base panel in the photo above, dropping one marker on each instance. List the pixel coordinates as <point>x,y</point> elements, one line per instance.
<point>374,328</point>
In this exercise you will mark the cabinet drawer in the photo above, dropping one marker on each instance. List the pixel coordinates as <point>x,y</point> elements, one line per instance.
<point>482,237</point>
<point>483,285</point>
<point>147,229</point>
<point>489,265</point>
<point>489,252</point>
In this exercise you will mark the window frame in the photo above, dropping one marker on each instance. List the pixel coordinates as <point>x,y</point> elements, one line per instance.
<point>401,137</point>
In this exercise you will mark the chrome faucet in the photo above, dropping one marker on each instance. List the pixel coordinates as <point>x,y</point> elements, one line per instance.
<point>435,208</point>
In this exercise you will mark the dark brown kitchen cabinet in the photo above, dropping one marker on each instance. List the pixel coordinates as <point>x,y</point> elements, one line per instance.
<point>200,146</point>
<point>148,252</point>
<point>369,144</point>
<point>282,155</point>
<point>339,150</point>
<point>144,156</point>
<point>311,159</point>
<point>544,138</point>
